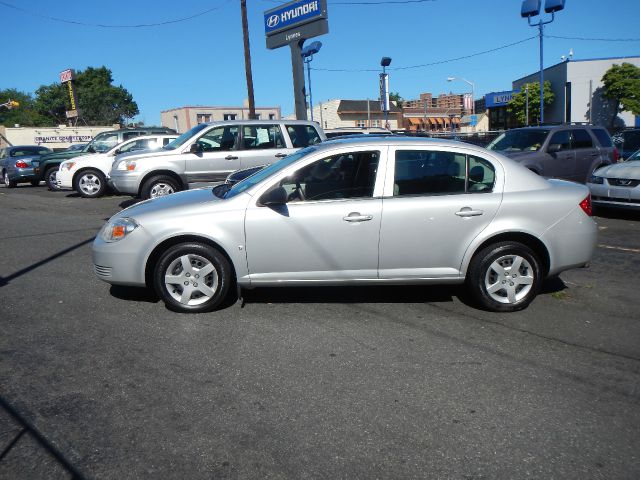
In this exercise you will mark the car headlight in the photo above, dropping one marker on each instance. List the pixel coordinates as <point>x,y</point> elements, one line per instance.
<point>596,180</point>
<point>126,165</point>
<point>118,228</point>
<point>67,166</point>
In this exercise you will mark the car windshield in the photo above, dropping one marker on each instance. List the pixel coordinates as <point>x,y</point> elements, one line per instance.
<point>635,156</point>
<point>182,139</point>
<point>525,140</point>
<point>266,172</point>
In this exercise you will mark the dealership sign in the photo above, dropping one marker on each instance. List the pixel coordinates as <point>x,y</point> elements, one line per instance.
<point>293,14</point>
<point>62,139</point>
<point>499,99</point>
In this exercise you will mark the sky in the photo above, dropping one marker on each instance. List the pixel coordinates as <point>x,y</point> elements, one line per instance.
<point>200,60</point>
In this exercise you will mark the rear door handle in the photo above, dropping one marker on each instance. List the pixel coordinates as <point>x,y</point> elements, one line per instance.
<point>356,217</point>
<point>467,212</point>
<point>230,157</point>
<point>281,155</point>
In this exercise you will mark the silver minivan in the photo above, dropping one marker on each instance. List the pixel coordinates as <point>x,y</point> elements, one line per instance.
<point>209,152</point>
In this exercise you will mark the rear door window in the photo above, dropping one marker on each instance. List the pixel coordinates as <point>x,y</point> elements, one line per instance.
<point>581,139</point>
<point>303,135</point>
<point>259,137</point>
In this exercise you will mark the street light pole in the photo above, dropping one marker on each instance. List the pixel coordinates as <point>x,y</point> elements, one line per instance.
<point>473,92</point>
<point>384,90</point>
<point>307,56</point>
<point>531,8</point>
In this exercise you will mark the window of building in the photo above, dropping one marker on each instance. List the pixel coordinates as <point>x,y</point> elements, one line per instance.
<point>376,123</point>
<point>229,116</point>
<point>361,123</point>
<point>272,116</point>
<point>422,172</point>
<point>203,117</point>
<point>175,123</point>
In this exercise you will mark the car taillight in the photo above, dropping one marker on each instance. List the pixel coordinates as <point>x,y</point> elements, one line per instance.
<point>586,206</point>
<point>22,164</point>
<point>616,155</point>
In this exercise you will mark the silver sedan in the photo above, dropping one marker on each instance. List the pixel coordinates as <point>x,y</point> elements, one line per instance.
<point>617,185</point>
<point>385,210</point>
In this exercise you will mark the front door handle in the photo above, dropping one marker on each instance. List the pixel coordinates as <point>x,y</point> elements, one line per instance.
<point>356,217</point>
<point>281,155</point>
<point>467,212</point>
<point>230,157</point>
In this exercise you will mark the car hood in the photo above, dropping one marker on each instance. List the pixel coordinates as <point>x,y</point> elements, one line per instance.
<point>88,157</point>
<point>148,154</point>
<point>628,170</point>
<point>166,204</point>
<point>59,156</point>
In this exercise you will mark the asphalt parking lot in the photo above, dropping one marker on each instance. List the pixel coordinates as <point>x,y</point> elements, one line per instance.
<point>393,382</point>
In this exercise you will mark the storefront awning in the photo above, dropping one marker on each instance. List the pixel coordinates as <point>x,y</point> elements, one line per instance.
<point>414,121</point>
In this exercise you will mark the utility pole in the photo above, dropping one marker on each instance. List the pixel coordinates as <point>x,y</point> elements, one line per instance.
<point>247,59</point>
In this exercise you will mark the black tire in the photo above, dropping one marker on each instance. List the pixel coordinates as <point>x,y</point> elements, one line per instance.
<point>8,183</point>
<point>35,183</point>
<point>511,291</point>
<point>158,186</point>
<point>200,257</point>
<point>90,183</point>
<point>50,178</point>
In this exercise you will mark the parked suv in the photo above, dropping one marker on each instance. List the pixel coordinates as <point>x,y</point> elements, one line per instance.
<point>571,152</point>
<point>209,152</point>
<point>49,164</point>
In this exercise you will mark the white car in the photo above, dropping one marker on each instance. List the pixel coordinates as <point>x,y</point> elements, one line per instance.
<point>88,174</point>
<point>617,185</point>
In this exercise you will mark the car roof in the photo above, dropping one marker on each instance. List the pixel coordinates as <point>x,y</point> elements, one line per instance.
<point>373,140</point>
<point>262,122</point>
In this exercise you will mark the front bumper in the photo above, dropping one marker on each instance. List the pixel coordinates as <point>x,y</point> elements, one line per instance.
<point>122,262</point>
<point>607,195</point>
<point>125,182</point>
<point>64,179</point>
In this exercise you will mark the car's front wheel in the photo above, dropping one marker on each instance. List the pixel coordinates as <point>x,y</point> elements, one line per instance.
<point>50,178</point>
<point>158,187</point>
<point>90,183</point>
<point>505,276</point>
<point>192,277</point>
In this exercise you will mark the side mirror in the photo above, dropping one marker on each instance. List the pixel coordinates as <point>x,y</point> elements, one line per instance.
<point>90,149</point>
<point>195,148</point>
<point>116,152</point>
<point>554,148</point>
<point>274,197</point>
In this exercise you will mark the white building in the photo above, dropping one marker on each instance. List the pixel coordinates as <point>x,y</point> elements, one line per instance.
<point>577,85</point>
<point>57,138</point>
<point>338,113</point>
<point>182,119</point>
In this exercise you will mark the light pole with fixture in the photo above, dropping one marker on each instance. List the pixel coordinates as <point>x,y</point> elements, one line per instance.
<point>307,55</point>
<point>531,8</point>
<point>384,90</point>
<point>473,91</point>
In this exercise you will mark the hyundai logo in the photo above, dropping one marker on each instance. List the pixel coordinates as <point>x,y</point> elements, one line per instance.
<point>273,21</point>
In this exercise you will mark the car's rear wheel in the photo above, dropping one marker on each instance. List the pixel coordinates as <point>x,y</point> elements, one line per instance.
<point>192,278</point>
<point>90,183</point>
<point>50,178</point>
<point>159,186</point>
<point>505,277</point>
<point>7,182</point>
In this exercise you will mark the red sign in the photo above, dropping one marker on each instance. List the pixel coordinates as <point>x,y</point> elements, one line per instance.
<point>66,76</point>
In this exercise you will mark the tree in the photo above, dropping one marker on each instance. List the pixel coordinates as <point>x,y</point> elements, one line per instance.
<point>518,104</point>
<point>100,102</point>
<point>24,114</point>
<point>622,86</point>
<point>395,97</point>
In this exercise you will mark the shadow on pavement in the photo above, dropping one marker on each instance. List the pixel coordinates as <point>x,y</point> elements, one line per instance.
<point>617,213</point>
<point>135,294</point>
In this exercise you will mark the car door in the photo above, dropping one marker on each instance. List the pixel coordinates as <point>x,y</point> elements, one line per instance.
<point>559,161</point>
<point>261,145</point>
<point>587,154</point>
<point>328,229</point>
<point>435,203</point>
<point>216,155</point>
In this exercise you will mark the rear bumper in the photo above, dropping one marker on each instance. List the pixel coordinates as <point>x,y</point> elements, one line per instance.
<point>22,175</point>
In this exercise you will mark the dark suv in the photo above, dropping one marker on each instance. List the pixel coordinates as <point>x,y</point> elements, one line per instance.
<point>570,152</point>
<point>48,164</point>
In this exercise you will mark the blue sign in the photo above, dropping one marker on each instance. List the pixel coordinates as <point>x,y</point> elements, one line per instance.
<point>293,14</point>
<point>498,99</point>
<point>474,120</point>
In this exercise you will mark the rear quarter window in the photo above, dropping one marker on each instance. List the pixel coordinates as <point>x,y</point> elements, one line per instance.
<point>303,135</point>
<point>603,137</point>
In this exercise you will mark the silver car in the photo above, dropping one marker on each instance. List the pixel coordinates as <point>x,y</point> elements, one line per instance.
<point>385,210</point>
<point>617,185</point>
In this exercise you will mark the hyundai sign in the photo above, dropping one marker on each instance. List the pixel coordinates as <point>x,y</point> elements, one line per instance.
<point>293,14</point>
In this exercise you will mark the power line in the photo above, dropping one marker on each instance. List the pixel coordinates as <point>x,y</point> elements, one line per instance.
<point>140,25</point>
<point>596,39</point>
<point>440,62</point>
